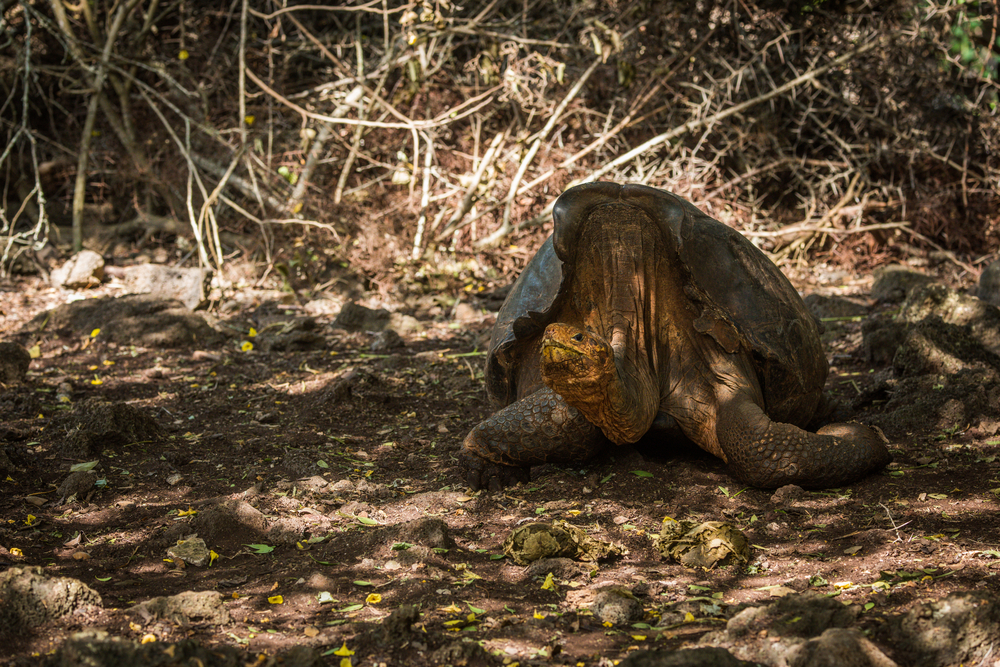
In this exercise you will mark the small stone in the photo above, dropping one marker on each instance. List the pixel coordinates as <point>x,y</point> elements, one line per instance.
<point>342,486</point>
<point>617,605</point>
<point>77,484</point>
<point>386,340</point>
<point>190,550</point>
<point>82,270</point>
<point>838,647</point>
<point>14,362</point>
<point>189,286</point>
<point>787,494</point>
<point>989,284</point>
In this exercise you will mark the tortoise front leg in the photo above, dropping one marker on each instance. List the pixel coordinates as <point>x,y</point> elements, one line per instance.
<point>540,428</point>
<point>769,454</point>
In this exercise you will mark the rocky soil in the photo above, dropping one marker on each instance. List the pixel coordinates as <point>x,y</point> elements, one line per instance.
<point>279,484</point>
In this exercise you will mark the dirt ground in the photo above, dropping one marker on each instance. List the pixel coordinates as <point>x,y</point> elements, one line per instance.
<point>323,477</point>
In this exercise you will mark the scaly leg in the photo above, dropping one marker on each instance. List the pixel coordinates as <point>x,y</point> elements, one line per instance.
<point>539,428</point>
<point>770,454</point>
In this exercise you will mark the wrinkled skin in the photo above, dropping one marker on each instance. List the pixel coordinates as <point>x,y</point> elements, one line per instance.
<point>644,315</point>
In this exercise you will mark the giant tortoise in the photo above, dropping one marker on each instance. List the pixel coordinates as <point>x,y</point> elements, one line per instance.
<point>641,314</point>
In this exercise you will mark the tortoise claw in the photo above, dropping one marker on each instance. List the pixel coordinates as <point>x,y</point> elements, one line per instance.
<point>494,477</point>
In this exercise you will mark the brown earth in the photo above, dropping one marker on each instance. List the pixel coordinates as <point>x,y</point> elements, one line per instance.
<point>324,477</point>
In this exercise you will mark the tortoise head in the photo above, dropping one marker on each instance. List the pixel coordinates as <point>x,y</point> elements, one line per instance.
<point>576,364</point>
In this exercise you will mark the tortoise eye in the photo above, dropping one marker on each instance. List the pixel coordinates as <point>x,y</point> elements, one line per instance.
<point>577,338</point>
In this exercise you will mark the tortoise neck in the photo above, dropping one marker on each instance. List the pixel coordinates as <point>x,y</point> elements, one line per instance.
<point>625,257</point>
<point>621,400</point>
<point>629,411</point>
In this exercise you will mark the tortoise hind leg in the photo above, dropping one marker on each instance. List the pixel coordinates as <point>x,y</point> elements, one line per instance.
<point>540,428</point>
<point>769,454</point>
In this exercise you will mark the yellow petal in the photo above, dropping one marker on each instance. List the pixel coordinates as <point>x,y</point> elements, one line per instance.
<point>276,599</point>
<point>373,598</point>
<point>343,650</point>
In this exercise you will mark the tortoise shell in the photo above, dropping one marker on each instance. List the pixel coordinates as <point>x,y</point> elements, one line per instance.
<point>745,302</point>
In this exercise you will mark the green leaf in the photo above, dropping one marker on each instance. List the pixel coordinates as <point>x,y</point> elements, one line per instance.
<point>818,581</point>
<point>401,546</point>
<point>363,583</point>
<point>368,522</point>
<point>475,610</point>
<point>322,464</point>
<point>260,548</point>
<point>352,607</point>
<point>103,578</point>
<point>497,556</point>
<point>642,473</point>
<point>83,467</point>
